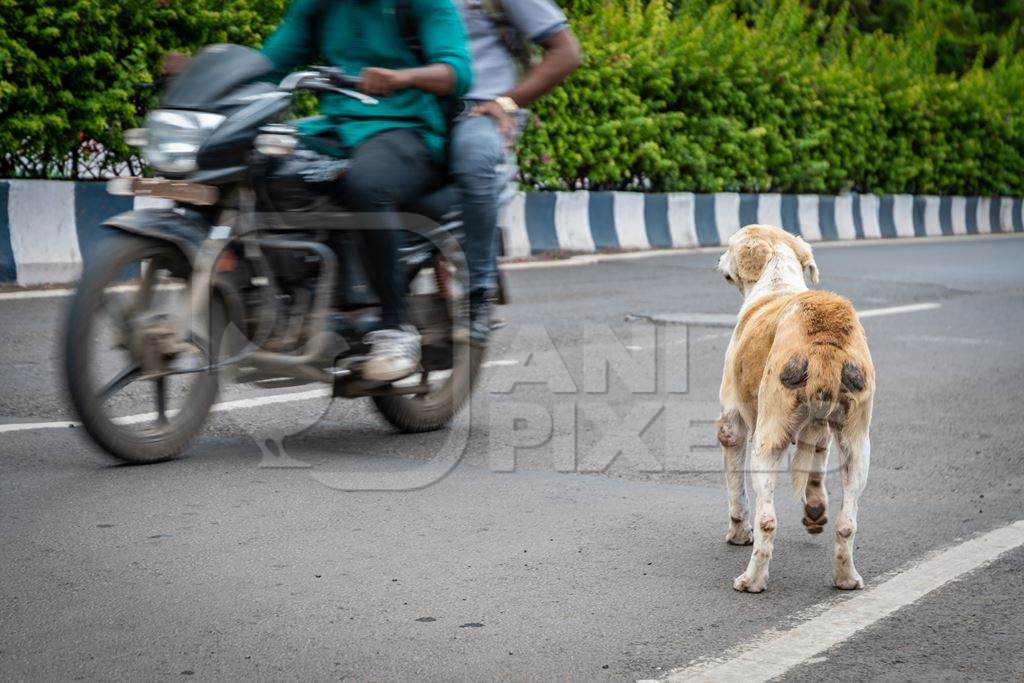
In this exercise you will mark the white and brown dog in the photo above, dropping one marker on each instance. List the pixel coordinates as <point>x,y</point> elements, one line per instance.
<point>797,370</point>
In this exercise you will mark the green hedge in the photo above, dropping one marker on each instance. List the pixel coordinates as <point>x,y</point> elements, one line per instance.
<point>781,99</point>
<point>697,95</point>
<point>75,73</point>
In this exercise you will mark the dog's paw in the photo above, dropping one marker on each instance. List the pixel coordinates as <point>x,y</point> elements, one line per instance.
<point>815,518</point>
<point>850,581</point>
<point>746,584</point>
<point>739,534</point>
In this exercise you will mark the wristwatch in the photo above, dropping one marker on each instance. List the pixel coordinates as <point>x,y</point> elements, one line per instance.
<point>507,104</point>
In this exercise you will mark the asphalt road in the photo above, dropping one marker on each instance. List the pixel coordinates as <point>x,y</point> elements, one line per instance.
<point>600,557</point>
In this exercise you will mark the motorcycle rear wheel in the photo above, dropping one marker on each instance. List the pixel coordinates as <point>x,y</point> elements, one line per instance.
<point>434,409</point>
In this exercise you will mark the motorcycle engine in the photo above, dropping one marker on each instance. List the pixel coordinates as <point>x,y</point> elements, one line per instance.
<point>297,182</point>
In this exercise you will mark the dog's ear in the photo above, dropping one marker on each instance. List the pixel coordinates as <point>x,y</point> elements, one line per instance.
<point>751,257</point>
<point>804,255</point>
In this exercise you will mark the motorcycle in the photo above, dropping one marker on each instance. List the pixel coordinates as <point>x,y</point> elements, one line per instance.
<point>251,273</point>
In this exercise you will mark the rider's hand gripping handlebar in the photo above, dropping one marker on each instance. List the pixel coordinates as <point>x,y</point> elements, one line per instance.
<point>326,79</point>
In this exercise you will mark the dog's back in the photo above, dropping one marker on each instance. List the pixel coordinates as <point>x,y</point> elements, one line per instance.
<point>818,373</point>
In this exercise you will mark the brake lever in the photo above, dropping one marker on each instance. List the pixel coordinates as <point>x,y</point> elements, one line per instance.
<point>337,76</point>
<point>318,81</point>
<point>324,86</point>
<point>355,94</point>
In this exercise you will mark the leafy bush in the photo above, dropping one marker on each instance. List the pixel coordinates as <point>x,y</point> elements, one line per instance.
<point>781,98</point>
<point>697,95</point>
<point>75,73</point>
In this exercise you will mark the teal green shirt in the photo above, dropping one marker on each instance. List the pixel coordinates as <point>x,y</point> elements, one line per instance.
<point>354,34</point>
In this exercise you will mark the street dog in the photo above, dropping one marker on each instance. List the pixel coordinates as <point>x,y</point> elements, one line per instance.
<point>797,371</point>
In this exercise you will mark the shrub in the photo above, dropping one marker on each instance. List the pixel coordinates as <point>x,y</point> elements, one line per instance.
<point>697,95</point>
<point>783,99</point>
<point>75,73</point>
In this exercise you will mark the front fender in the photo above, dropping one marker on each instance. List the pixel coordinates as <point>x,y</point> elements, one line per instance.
<point>184,228</point>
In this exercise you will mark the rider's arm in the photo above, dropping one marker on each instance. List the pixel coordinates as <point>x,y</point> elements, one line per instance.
<point>291,45</point>
<point>438,79</point>
<point>445,51</point>
<point>543,24</point>
<point>561,57</point>
<point>444,45</point>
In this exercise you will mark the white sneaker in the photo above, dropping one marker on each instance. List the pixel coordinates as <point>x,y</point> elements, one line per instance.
<point>394,354</point>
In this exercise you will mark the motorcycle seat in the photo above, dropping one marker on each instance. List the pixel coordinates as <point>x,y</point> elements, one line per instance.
<point>440,205</point>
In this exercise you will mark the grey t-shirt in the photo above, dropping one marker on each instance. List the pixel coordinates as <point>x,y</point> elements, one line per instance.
<point>494,70</point>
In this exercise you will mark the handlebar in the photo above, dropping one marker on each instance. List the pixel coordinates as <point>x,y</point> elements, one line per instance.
<point>338,77</point>
<point>326,79</point>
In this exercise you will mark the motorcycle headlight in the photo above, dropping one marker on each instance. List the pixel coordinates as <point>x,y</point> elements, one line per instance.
<point>174,138</point>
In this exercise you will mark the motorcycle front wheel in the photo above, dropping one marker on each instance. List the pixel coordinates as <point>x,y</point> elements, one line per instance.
<point>128,354</point>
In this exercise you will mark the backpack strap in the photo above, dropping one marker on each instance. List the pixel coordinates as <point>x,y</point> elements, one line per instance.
<point>515,42</point>
<point>408,29</point>
<point>314,21</point>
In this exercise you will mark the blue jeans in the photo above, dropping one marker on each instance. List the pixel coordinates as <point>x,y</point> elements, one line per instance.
<point>477,150</point>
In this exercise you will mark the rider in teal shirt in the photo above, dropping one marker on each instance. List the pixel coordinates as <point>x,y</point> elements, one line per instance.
<point>358,34</point>
<point>396,147</point>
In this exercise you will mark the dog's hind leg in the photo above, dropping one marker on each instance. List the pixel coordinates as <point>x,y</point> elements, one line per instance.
<point>854,460</point>
<point>812,453</point>
<point>732,434</point>
<point>770,442</point>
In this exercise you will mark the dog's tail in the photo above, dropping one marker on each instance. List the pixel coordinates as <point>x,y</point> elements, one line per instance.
<point>827,383</point>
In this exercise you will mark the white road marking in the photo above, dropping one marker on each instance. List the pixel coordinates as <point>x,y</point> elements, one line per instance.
<point>895,310</point>
<point>708,337</point>
<point>31,426</point>
<point>224,407</point>
<point>776,652</point>
<point>270,400</point>
<point>939,339</point>
<point>66,292</point>
<point>36,294</point>
<point>499,363</point>
<point>729,320</point>
<point>698,319</point>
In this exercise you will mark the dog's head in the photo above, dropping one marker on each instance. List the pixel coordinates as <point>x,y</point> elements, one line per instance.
<point>751,249</point>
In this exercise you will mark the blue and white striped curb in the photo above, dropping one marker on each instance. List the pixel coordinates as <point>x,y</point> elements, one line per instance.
<point>47,226</point>
<point>598,221</point>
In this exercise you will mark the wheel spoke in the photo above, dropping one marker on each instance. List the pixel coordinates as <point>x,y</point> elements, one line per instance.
<point>144,295</point>
<point>160,384</point>
<point>119,382</point>
<point>116,311</point>
<point>424,384</point>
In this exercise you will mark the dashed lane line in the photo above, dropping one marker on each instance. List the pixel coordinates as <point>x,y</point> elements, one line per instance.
<point>226,406</point>
<point>223,407</point>
<point>896,310</point>
<point>729,319</point>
